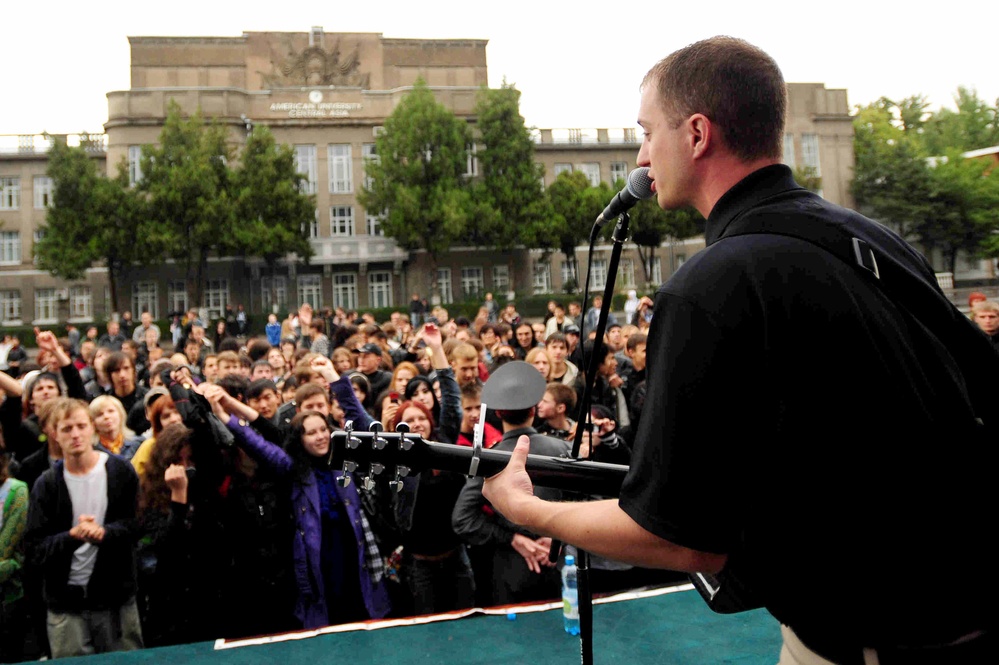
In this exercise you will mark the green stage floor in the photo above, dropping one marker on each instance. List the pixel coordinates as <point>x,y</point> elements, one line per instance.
<point>672,628</point>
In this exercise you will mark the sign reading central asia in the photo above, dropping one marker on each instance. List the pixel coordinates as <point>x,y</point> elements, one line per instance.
<point>314,110</point>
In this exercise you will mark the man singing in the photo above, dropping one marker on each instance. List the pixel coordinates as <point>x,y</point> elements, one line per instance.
<point>804,432</point>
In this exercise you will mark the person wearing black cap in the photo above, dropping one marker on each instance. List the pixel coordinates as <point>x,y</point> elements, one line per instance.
<point>369,359</point>
<point>521,570</point>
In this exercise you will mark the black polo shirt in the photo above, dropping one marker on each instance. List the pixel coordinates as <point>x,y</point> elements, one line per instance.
<point>800,422</point>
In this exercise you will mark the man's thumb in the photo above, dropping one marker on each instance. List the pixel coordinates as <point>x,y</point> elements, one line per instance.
<point>518,459</point>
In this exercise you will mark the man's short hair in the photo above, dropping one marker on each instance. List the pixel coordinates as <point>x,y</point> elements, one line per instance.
<point>246,363</point>
<point>472,390</point>
<point>562,394</point>
<point>303,393</point>
<point>558,338</point>
<point>487,327</point>
<point>228,344</point>
<point>228,357</point>
<point>636,339</point>
<point>464,351</point>
<point>258,348</point>
<point>62,407</point>
<point>985,306</point>
<point>257,388</point>
<point>735,84</point>
<point>258,363</point>
<point>235,384</point>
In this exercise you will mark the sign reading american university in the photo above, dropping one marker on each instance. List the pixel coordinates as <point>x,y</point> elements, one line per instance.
<point>316,110</point>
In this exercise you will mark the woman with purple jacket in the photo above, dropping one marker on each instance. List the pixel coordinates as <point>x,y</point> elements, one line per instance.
<point>338,568</point>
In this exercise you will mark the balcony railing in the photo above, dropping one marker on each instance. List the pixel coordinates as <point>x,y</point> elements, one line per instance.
<point>578,136</point>
<point>39,144</point>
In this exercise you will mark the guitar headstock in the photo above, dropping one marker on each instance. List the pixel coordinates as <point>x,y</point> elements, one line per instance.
<point>377,454</point>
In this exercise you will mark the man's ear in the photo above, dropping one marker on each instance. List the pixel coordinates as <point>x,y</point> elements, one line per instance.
<point>701,135</point>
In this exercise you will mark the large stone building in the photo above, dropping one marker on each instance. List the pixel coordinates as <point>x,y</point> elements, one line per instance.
<point>327,95</point>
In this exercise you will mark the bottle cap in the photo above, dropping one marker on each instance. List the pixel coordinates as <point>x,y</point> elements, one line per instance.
<point>570,560</point>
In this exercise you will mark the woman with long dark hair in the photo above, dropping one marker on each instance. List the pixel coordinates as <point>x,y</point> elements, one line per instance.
<point>338,568</point>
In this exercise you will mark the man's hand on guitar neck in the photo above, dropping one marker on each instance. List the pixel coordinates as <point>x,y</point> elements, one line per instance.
<point>511,491</point>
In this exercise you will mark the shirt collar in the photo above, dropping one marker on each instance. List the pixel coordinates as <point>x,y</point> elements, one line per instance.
<point>747,193</point>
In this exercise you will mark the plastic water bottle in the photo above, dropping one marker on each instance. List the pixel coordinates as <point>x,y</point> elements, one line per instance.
<point>570,596</point>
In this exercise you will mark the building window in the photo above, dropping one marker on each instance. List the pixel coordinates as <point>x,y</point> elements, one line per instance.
<point>501,279</point>
<point>341,220</point>
<point>592,172</point>
<point>374,224</point>
<point>134,164</point>
<point>570,272</point>
<point>345,290</point>
<point>341,169</point>
<point>10,193</point>
<point>313,229</point>
<point>144,298</point>
<point>561,168</point>
<point>810,152</point>
<point>444,285</point>
<point>216,297</point>
<point>310,290</point>
<point>380,289</point>
<point>369,155</point>
<point>45,306</point>
<point>680,260</point>
<point>81,303</point>
<point>10,247</point>
<point>542,278</point>
<point>626,274</point>
<point>472,282</point>
<point>618,171</point>
<point>305,163</point>
<point>177,296</point>
<point>598,273</point>
<point>10,307</point>
<point>36,237</point>
<point>42,189</point>
<point>273,291</point>
<point>656,271</point>
<point>789,150</point>
<point>471,162</point>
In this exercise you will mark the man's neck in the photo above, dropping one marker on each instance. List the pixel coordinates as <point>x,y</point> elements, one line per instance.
<point>82,464</point>
<point>724,173</point>
<point>558,422</point>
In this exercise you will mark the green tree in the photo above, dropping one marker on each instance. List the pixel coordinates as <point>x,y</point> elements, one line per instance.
<point>891,174</point>
<point>187,180</point>
<point>509,197</point>
<point>651,226</point>
<point>575,205</point>
<point>271,212</point>
<point>418,181</point>
<point>807,177</point>
<point>972,126</point>
<point>965,208</point>
<point>92,220</point>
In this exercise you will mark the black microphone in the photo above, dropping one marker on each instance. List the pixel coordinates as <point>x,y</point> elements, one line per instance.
<point>639,187</point>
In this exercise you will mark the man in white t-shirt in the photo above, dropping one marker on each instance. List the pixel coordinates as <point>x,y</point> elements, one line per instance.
<point>82,533</point>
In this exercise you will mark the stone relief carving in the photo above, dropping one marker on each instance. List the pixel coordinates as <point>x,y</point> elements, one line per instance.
<point>315,66</point>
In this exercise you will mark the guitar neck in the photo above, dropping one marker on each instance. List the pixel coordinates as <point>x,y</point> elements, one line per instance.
<point>565,474</point>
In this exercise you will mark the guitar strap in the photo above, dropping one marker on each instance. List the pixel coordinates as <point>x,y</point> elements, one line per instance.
<point>910,290</point>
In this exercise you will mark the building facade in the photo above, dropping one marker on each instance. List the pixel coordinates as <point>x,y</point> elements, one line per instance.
<point>327,95</point>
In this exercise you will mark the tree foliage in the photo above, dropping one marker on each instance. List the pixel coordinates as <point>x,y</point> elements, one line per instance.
<point>187,179</point>
<point>272,215</point>
<point>92,220</point>
<point>910,173</point>
<point>418,181</point>
<point>651,226</point>
<point>509,198</point>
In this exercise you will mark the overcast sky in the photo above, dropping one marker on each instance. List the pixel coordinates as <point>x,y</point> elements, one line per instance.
<point>576,64</point>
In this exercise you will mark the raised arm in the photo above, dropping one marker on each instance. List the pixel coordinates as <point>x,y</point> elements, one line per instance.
<point>450,424</point>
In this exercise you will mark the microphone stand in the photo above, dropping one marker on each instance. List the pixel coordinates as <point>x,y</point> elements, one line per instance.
<point>583,416</point>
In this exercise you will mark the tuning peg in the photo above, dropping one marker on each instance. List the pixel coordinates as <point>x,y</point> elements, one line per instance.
<point>375,427</point>
<point>348,427</point>
<point>368,483</point>
<point>377,468</point>
<point>402,428</point>
<point>353,442</point>
<point>396,485</point>
<point>349,466</point>
<point>343,480</point>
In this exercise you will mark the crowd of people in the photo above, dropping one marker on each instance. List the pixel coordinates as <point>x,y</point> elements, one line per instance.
<point>158,493</point>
